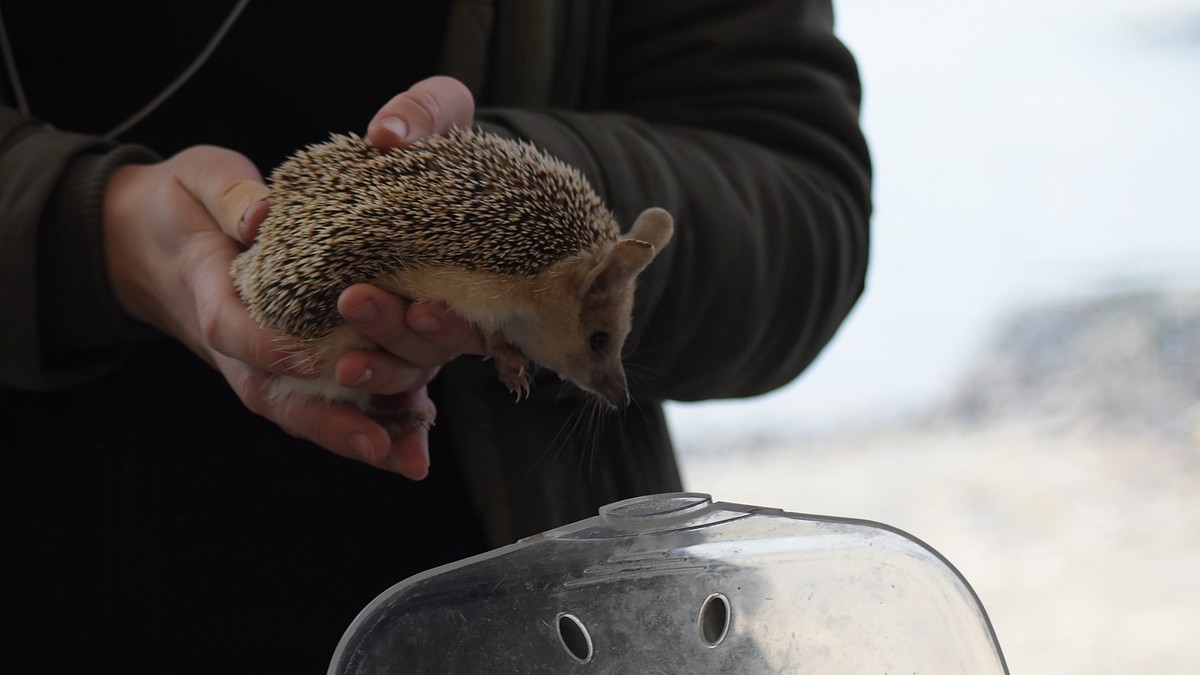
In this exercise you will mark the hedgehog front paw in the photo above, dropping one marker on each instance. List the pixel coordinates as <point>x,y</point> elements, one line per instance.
<point>514,376</point>
<point>510,365</point>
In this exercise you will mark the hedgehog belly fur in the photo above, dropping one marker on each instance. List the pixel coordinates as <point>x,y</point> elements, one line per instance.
<point>487,300</point>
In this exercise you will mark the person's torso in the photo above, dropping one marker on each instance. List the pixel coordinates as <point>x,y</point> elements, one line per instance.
<point>283,75</point>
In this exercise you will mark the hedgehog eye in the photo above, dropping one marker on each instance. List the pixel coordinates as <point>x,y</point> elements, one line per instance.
<point>598,341</point>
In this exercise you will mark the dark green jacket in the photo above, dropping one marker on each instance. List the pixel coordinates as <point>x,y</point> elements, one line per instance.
<point>740,117</point>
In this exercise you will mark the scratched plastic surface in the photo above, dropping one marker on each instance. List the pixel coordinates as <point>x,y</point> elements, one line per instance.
<point>678,584</point>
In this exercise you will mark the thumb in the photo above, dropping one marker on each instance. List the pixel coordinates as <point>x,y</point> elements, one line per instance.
<point>430,107</point>
<point>241,208</point>
<point>227,185</point>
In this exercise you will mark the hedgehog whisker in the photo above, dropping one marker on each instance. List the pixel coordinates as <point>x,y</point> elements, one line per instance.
<point>600,417</point>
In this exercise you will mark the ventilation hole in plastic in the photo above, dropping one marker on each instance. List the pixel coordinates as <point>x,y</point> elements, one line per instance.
<point>714,619</point>
<point>574,638</point>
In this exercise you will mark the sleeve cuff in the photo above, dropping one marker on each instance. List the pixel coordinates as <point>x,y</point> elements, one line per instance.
<point>80,316</point>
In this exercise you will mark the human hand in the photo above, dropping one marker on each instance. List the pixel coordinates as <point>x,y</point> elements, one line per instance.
<point>415,338</point>
<point>170,235</point>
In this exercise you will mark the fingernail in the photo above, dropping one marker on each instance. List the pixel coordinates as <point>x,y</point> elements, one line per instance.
<point>427,324</point>
<point>364,311</point>
<point>361,445</point>
<point>251,219</point>
<point>396,126</point>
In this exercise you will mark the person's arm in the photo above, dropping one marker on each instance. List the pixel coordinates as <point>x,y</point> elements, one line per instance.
<point>62,324</point>
<point>741,119</point>
<point>83,222</point>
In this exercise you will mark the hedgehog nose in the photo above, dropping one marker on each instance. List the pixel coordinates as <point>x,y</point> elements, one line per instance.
<point>610,386</point>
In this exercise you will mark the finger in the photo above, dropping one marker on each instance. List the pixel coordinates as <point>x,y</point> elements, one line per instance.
<point>224,182</point>
<point>381,316</point>
<point>241,208</point>
<point>339,428</point>
<point>230,331</point>
<point>438,324</point>
<point>225,325</point>
<point>429,107</point>
<point>409,453</point>
<point>378,372</point>
<point>215,178</point>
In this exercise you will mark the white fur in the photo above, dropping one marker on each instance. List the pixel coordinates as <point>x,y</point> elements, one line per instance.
<point>288,391</point>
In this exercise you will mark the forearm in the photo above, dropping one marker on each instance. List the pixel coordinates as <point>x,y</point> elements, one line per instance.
<point>62,324</point>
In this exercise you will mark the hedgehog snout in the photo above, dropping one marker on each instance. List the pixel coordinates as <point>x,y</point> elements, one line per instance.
<point>610,386</point>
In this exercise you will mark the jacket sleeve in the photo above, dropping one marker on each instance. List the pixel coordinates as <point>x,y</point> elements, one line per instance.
<point>740,117</point>
<point>61,323</point>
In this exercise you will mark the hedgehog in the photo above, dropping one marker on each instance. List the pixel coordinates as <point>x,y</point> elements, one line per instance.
<point>511,239</point>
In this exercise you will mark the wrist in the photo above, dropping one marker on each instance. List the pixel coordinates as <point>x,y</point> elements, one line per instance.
<point>121,244</point>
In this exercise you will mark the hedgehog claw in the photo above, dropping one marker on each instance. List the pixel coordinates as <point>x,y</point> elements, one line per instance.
<point>516,378</point>
<point>510,365</point>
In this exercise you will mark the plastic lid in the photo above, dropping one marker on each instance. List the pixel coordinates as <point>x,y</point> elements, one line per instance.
<point>678,583</point>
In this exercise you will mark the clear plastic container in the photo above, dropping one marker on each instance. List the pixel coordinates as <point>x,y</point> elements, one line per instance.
<point>678,584</point>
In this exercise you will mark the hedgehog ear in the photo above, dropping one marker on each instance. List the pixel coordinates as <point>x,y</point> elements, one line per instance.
<point>624,261</point>
<point>628,257</point>
<point>654,226</point>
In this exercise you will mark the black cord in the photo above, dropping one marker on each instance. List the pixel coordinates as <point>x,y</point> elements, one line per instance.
<point>14,76</point>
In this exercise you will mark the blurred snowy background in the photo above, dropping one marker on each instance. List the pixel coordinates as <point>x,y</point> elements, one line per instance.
<point>1019,386</point>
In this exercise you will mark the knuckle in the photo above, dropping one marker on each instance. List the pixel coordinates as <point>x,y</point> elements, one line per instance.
<point>201,156</point>
<point>419,109</point>
<point>208,153</point>
<point>427,102</point>
<point>449,98</point>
